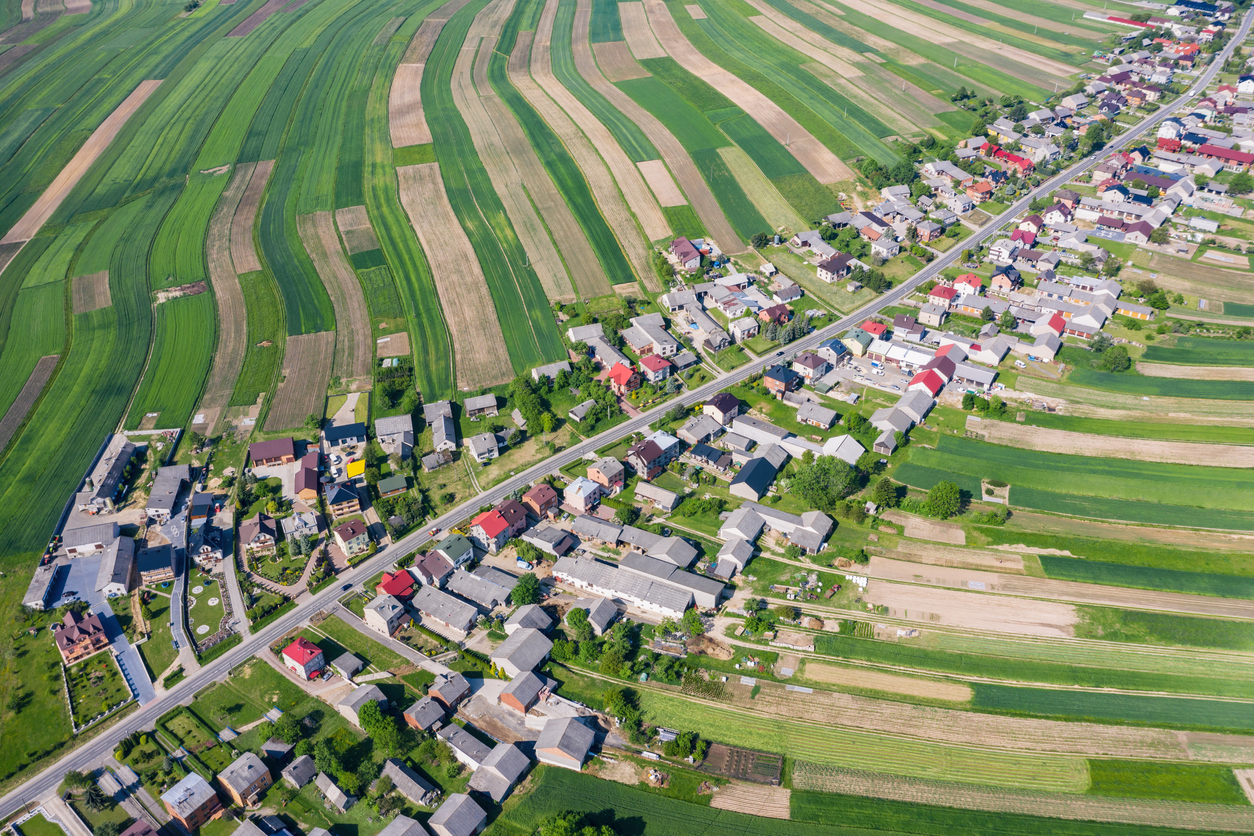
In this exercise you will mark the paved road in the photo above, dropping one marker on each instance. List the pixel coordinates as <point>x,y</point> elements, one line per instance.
<point>92,751</point>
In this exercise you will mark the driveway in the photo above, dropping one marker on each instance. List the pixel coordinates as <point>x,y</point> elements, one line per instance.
<point>78,580</point>
<point>400,647</point>
<point>286,474</point>
<point>128,657</point>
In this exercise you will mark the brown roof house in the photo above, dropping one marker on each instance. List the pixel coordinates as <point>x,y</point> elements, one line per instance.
<point>542,500</point>
<point>277,451</point>
<point>352,537</point>
<point>245,779</point>
<point>258,536</point>
<point>79,636</point>
<point>192,801</point>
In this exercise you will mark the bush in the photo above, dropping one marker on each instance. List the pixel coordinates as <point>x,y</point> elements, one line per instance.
<point>944,500</point>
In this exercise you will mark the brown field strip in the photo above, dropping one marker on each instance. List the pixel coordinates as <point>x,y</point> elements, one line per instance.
<point>306,373</point>
<point>959,727</point>
<point>248,24</point>
<point>615,182</point>
<point>90,293</point>
<point>77,7</point>
<point>1220,541</point>
<point>662,184</point>
<point>696,11</point>
<point>28,9</point>
<point>876,680</point>
<point>1177,814</point>
<point>972,610</point>
<point>921,529</point>
<point>753,799</point>
<point>996,561</point>
<point>26,398</point>
<point>393,345</point>
<point>243,250</point>
<point>501,148</point>
<point>355,227</point>
<point>405,117</point>
<point>616,61</point>
<point>48,202</point>
<point>677,159</point>
<point>474,328</point>
<point>814,155</point>
<point>1106,446</point>
<point>14,54</point>
<point>1245,777</point>
<point>1205,274</point>
<point>228,358</point>
<point>640,38</point>
<point>1195,372</point>
<point>354,351</point>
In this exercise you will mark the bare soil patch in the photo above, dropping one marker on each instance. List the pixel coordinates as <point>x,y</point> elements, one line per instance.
<point>753,799</point>
<point>91,292</point>
<point>615,182</point>
<point>77,7</point>
<point>856,677</point>
<point>256,18</point>
<point>1028,521</point>
<point>393,345</point>
<point>474,329</point>
<point>662,184</point>
<point>921,529</point>
<point>354,353</point>
<point>26,398</point>
<point>696,11</point>
<point>13,54</point>
<point>355,227</point>
<point>61,185</point>
<point>1195,372</point>
<point>1245,777</point>
<point>306,373</point>
<point>973,610</point>
<point>997,561</point>
<point>189,289</point>
<point>640,38</point>
<point>677,159</point>
<point>1145,449</point>
<point>228,358</point>
<point>405,116</point>
<point>243,251</point>
<point>616,61</point>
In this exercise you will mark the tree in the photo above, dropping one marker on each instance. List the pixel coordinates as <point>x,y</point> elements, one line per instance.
<point>627,515</point>
<point>287,729</point>
<point>987,314</point>
<point>96,798</point>
<point>693,624</point>
<point>823,483</point>
<point>759,240</point>
<point>526,591</point>
<point>1116,359</point>
<point>884,493</point>
<point>75,780</point>
<point>943,500</point>
<point>577,621</point>
<point>1160,236</point>
<point>1007,320</point>
<point>1241,183</point>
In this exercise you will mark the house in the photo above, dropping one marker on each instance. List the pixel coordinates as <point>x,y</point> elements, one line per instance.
<point>1003,250</point>
<point>362,694</point>
<point>499,772</point>
<point>754,479</point>
<point>656,369</point>
<point>276,451</point>
<point>659,498</point>
<point>817,416</point>
<point>395,434</point>
<point>648,459</point>
<point>456,549</point>
<point>352,537</point>
<point>467,748</point>
<point>933,315</point>
<point>398,584</point>
<point>549,539</point>
<point>550,371</point>
<point>745,328</point>
<point>79,635</point>
<point>524,692</point>
<point>384,614</point>
<point>581,495</point>
<point>431,568</point>
<point>300,772</point>
<point>117,568</point>
<point>399,826</point>
<point>89,539</point>
<point>449,689</point>
<point>166,487</point>
<point>648,335</point>
<point>522,651</point>
<point>710,457</point>
<point>192,802</point>
<point>439,416</point>
<point>541,500</point>
<point>835,268</point>
<point>484,447</point>
<point>258,536</point>
<point>199,509</point>
<point>410,784</point>
<point>304,658</point>
<point>459,815</point>
<point>306,480</point>
<point>915,404</point>
<point>810,366</point>
<point>622,379</point>
<point>779,379</point>
<point>342,499</point>
<point>482,591</point>
<point>601,613</point>
<point>155,564</point>
<point>615,581</point>
<point>490,531</point>
<point>347,665</point>
<point>480,406</point>
<point>686,254</point>
<point>564,742</point>
<point>528,616</point>
<point>885,248</point>
<point>392,485</point>
<point>779,314</point>
<point>699,428</point>
<point>929,381</point>
<point>424,715</point>
<point>331,791</point>
<point>857,341</point>
<point>245,779</point>
<point>723,407</point>
<point>444,613</point>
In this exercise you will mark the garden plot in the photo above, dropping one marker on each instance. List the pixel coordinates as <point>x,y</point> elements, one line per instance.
<point>91,292</point>
<point>355,228</point>
<point>662,184</point>
<point>61,186</point>
<point>474,329</point>
<point>616,61</point>
<point>973,611</point>
<point>673,153</point>
<point>393,345</point>
<point>354,354</point>
<point>1195,373</point>
<point>593,147</point>
<point>306,373</point>
<point>16,413</point>
<point>817,159</point>
<point>753,799</point>
<point>876,680</point>
<point>1105,446</point>
<point>243,250</point>
<point>921,529</point>
<point>640,38</point>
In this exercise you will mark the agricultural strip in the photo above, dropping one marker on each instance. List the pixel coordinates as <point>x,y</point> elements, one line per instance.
<point>1134,384</point>
<point>640,38</point>
<point>182,351</point>
<point>266,332</point>
<point>228,358</point>
<point>354,351</point>
<point>68,178</point>
<point>595,150</point>
<point>677,160</point>
<point>616,61</point>
<point>1146,577</point>
<point>306,373</point>
<point>892,683</point>
<point>1055,590</point>
<point>354,225</point>
<point>662,184</point>
<point>817,159</point>
<point>90,293</point>
<point>1129,709</point>
<point>761,191</point>
<point>479,353</point>
<point>825,779</point>
<point>406,121</point>
<point>1109,446</point>
<point>972,611</point>
<point>256,18</point>
<point>1199,351</point>
<point>25,400</point>
<point>243,251</point>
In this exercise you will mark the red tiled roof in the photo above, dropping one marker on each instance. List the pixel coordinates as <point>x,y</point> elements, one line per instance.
<point>931,381</point>
<point>875,329</point>
<point>942,292</point>
<point>971,280</point>
<point>302,651</point>
<point>1226,154</point>
<point>1057,323</point>
<point>654,363</point>
<point>492,522</point>
<point>620,374</point>
<point>399,585</point>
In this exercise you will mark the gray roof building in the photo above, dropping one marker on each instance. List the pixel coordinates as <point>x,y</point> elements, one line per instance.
<point>188,795</point>
<point>335,796</point>
<point>482,592</point>
<point>601,613</point>
<point>441,609</point>
<point>346,665</point>
<point>242,773</point>
<point>117,567</point>
<point>521,652</point>
<point>500,771</point>
<point>591,527</point>
<point>549,539</point>
<point>351,704</point>
<point>402,826</point>
<point>166,487</point>
<point>705,591</point>
<point>660,497</point>
<point>300,771</point>
<point>732,557</point>
<point>467,748</point>
<point>409,783</point>
<point>459,815</point>
<point>613,581</point>
<point>424,714</point>
<point>497,576</point>
<point>528,616</point>
<point>564,742</point>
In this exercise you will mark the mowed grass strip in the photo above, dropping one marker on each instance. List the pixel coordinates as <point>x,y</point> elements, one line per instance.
<point>1161,431</point>
<point>1166,387</point>
<point>1127,552</point>
<point>1200,351</point>
<point>1156,628</point>
<point>1125,510</point>
<point>1143,577</point>
<point>1121,709</point>
<point>1199,782</point>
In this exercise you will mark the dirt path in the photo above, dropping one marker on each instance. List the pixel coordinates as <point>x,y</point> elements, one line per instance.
<point>48,202</point>
<point>1195,372</point>
<point>354,347</point>
<point>228,357</point>
<point>306,373</point>
<point>243,250</point>
<point>474,328</point>
<point>814,155</point>
<point>26,398</point>
<point>673,153</point>
<point>1048,589</point>
<point>996,561</point>
<point>972,610</point>
<point>615,182</point>
<point>753,799</point>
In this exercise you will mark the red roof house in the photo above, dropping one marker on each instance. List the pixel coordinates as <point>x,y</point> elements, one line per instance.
<point>875,329</point>
<point>970,281</point>
<point>941,295</point>
<point>655,368</point>
<point>622,379</point>
<point>399,585</point>
<point>303,657</point>
<point>930,381</point>
<point>490,530</point>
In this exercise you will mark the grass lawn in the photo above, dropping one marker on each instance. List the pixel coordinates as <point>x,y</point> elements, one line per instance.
<point>252,689</point>
<point>519,457</point>
<point>696,377</point>
<point>114,813</point>
<point>96,685</point>
<point>367,649</point>
<point>731,358</point>
<point>448,485</point>
<point>158,652</point>
<point>204,608</point>
<point>39,826</point>
<point>280,568</point>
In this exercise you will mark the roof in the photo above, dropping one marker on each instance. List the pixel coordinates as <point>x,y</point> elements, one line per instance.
<point>361,695</point>
<point>525,688</point>
<point>347,664</point>
<point>115,568</point>
<point>541,494</point>
<point>188,795</point>
<point>86,535</point>
<point>444,607</point>
<point>276,448</point>
<point>302,651</point>
<point>452,682</point>
<point>622,583</point>
<point>566,736</point>
<point>410,784</point>
<point>426,712</point>
<point>431,565</point>
<point>399,583</point>
<point>459,815</point>
<point>242,772</point>
<point>932,381</point>
<point>757,474</point>
<point>492,523</point>
<point>335,434</point>
<point>601,612</point>
<point>340,492</point>
<point>524,649</point>
<point>500,771</point>
<point>476,588</point>
<point>454,547</point>
<point>724,402</point>
<point>393,424</point>
<point>396,482</point>
<point>464,742</point>
<point>654,363</point>
<point>332,791</point>
<point>403,826</point>
<point>351,529</point>
<point>529,616</point>
<point>480,402</point>
<point>620,374</point>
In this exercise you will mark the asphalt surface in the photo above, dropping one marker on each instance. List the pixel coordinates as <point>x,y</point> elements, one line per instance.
<point>91,752</point>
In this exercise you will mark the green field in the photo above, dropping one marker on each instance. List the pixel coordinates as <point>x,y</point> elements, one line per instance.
<point>1238,311</point>
<point>265,325</point>
<point>1150,628</point>
<point>1204,783</point>
<point>1164,387</point>
<point>1130,553</point>
<point>606,24</point>
<point>1143,577</point>
<point>1199,351</point>
<point>1131,709</point>
<point>1142,429</point>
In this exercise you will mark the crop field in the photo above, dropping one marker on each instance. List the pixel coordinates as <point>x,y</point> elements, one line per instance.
<point>1133,709</point>
<point>1166,387</point>
<point>1199,351</point>
<point>1143,577</point>
<point>1161,431</point>
<point>181,353</point>
<point>1178,781</point>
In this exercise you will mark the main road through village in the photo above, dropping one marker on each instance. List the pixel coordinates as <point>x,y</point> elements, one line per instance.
<point>95,750</point>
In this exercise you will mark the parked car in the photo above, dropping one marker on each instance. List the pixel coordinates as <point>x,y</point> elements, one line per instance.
<point>524,565</point>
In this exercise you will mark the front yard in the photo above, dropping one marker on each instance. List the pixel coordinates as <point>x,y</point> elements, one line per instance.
<point>96,685</point>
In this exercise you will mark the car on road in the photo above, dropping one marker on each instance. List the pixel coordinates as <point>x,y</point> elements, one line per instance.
<point>896,387</point>
<point>433,531</point>
<point>346,587</point>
